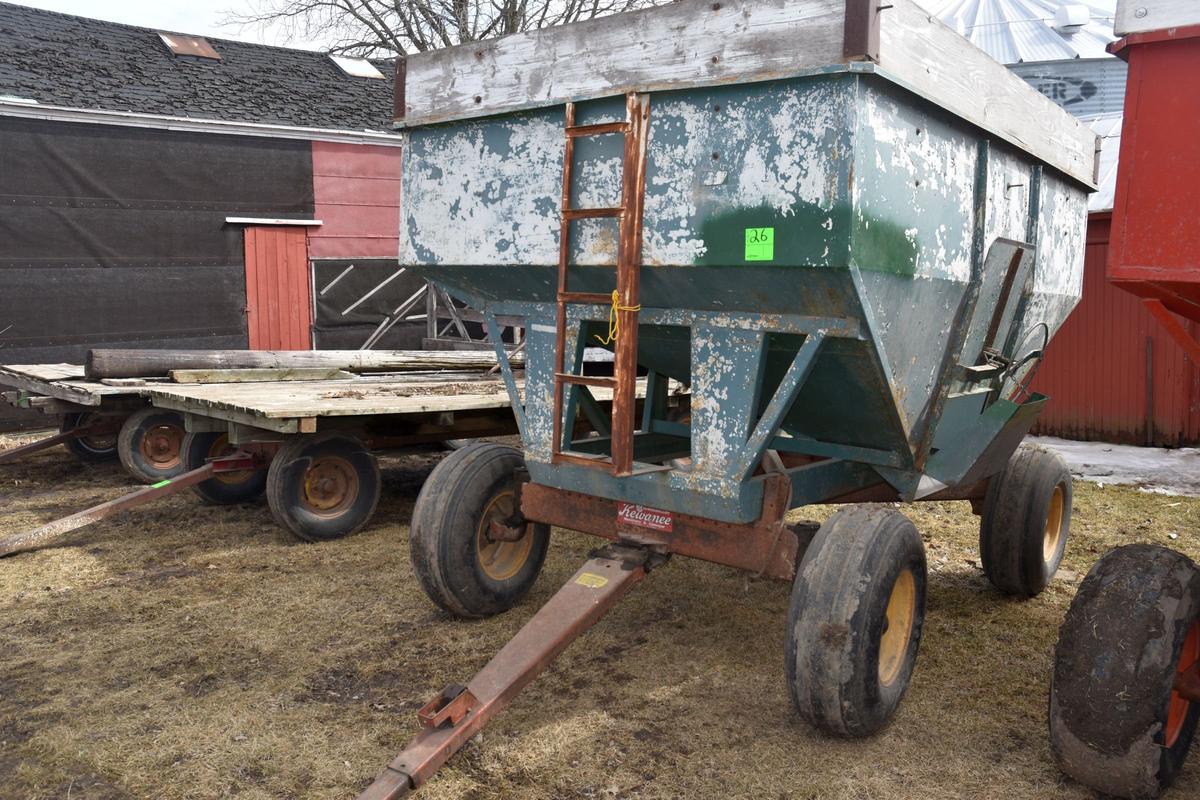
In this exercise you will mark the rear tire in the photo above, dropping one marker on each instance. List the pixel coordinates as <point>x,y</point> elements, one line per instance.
<point>323,487</point>
<point>1026,521</point>
<point>459,566</point>
<point>228,488</point>
<point>150,445</point>
<point>95,449</point>
<point>1116,725</point>
<point>855,619</point>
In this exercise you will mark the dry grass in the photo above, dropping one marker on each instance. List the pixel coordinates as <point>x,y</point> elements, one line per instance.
<point>184,651</point>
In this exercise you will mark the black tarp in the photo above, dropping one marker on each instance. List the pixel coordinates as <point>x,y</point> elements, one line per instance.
<point>333,329</point>
<point>116,236</point>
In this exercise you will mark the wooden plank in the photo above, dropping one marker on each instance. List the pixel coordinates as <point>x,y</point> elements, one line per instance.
<point>285,406</point>
<point>925,56</point>
<point>104,363</point>
<point>702,43</point>
<point>208,412</point>
<point>687,43</point>
<point>1155,15</point>
<point>254,375</point>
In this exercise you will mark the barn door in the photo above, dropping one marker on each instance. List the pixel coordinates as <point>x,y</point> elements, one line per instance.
<point>278,293</point>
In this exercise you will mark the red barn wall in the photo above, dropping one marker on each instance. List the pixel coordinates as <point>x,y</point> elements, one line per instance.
<point>356,188</point>
<point>1095,371</point>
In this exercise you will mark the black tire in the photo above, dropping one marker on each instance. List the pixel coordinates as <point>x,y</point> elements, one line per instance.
<point>89,449</point>
<point>864,567</point>
<point>150,445</point>
<point>1112,726</point>
<point>323,486</point>
<point>225,489</point>
<point>448,538</point>
<point>1026,521</point>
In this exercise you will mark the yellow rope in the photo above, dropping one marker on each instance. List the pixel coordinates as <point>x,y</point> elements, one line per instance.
<point>614,325</point>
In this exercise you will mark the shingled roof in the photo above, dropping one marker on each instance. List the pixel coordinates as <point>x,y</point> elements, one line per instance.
<point>63,60</point>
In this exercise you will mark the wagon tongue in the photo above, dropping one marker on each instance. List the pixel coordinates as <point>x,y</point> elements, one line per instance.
<point>459,712</point>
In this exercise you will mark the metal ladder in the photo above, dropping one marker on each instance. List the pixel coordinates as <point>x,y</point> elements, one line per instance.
<point>625,305</point>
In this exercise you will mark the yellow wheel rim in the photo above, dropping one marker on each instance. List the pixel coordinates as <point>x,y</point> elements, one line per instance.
<point>893,644</point>
<point>501,560</point>
<point>221,447</point>
<point>160,446</point>
<point>330,486</point>
<point>1054,520</point>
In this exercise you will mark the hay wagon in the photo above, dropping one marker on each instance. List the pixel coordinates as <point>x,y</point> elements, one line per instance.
<point>305,437</point>
<point>848,233</point>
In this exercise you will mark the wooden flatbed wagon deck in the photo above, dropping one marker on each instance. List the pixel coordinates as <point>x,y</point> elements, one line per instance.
<point>64,383</point>
<point>309,406</point>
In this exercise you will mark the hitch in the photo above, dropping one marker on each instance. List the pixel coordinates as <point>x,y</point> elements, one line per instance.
<point>52,531</point>
<point>459,712</point>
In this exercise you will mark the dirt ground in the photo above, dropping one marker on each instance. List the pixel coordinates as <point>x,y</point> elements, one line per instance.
<point>190,651</point>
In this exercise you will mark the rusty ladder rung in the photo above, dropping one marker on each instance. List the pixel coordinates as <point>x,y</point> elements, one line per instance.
<point>598,129</point>
<point>587,298</point>
<point>592,213</point>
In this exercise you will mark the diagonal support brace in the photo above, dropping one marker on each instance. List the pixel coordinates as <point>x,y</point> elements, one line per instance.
<point>777,409</point>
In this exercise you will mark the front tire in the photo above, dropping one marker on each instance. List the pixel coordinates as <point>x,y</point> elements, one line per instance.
<point>459,564</point>
<point>1026,521</point>
<point>1116,724</point>
<point>855,619</point>
<point>226,488</point>
<point>150,445</point>
<point>323,487</point>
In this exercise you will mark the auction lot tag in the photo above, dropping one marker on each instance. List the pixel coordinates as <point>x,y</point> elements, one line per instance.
<point>760,244</point>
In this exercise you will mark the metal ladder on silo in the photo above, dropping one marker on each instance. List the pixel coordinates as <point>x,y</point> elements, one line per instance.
<point>624,302</point>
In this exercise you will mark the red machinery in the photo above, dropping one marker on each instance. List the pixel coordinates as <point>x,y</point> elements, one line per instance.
<point>1125,696</point>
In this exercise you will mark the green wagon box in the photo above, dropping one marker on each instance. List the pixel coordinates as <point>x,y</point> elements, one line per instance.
<point>843,229</point>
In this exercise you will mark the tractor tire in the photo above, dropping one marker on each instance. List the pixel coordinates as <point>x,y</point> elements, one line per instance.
<point>1026,521</point>
<point>855,619</point>
<point>96,449</point>
<point>229,488</point>
<point>459,565</point>
<point>323,487</point>
<point>1116,724</point>
<point>150,445</point>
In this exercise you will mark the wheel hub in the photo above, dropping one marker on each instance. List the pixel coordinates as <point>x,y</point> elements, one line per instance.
<point>501,559</point>
<point>897,627</point>
<point>330,485</point>
<point>221,447</point>
<point>1179,705</point>
<point>97,441</point>
<point>160,446</point>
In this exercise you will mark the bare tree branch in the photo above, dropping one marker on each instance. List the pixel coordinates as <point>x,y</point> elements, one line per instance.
<point>381,28</point>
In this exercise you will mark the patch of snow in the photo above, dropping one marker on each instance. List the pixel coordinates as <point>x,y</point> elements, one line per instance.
<point>1151,469</point>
